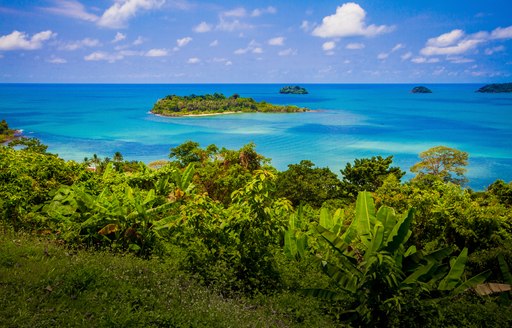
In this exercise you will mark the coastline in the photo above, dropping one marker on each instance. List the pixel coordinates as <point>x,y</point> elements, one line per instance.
<point>195,115</point>
<point>16,134</point>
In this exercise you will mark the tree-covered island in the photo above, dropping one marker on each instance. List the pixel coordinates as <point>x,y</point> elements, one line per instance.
<point>496,88</point>
<point>217,103</point>
<point>6,134</point>
<point>296,90</point>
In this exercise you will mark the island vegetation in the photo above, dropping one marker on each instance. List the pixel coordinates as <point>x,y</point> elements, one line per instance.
<point>295,89</point>
<point>216,103</point>
<point>6,134</point>
<point>421,89</point>
<point>215,237</point>
<point>496,88</point>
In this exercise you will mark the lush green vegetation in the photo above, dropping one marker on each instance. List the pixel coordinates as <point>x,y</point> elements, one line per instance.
<point>217,103</point>
<point>496,88</point>
<point>218,237</point>
<point>6,133</point>
<point>295,89</point>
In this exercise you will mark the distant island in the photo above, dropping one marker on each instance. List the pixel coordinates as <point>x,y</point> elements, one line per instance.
<point>421,89</point>
<point>7,134</point>
<point>215,104</point>
<point>496,88</point>
<point>293,89</point>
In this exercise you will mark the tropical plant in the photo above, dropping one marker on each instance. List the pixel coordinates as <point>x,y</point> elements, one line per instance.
<point>447,164</point>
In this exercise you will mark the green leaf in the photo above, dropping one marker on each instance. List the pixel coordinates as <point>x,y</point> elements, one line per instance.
<point>472,282</point>
<point>387,217</point>
<point>505,271</point>
<point>400,232</point>
<point>365,213</point>
<point>456,270</point>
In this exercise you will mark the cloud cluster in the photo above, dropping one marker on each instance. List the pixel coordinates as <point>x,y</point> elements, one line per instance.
<point>21,41</point>
<point>183,41</point>
<point>116,16</point>
<point>349,20</point>
<point>457,42</point>
<point>277,41</point>
<point>75,45</point>
<point>253,47</point>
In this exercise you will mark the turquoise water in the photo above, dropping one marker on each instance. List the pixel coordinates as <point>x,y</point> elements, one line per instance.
<point>351,121</point>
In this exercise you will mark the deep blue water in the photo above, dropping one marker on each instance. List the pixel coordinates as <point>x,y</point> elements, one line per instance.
<point>352,121</point>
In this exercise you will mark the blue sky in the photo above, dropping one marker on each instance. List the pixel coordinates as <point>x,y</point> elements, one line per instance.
<point>187,41</point>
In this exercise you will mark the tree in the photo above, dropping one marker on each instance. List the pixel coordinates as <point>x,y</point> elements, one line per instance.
<point>447,164</point>
<point>305,183</point>
<point>186,153</point>
<point>29,144</point>
<point>367,174</point>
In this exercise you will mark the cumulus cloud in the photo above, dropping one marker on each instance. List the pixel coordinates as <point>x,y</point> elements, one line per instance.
<point>119,37</point>
<point>57,60</point>
<point>456,42</point>
<point>354,46</point>
<point>490,51</point>
<point>423,60</point>
<point>382,56</point>
<point>74,45</point>
<point>406,56</point>
<point>183,41</point>
<point>203,27</point>
<point>71,8</point>
<point>103,56</point>
<point>502,33</point>
<point>138,41</point>
<point>121,11</point>
<point>349,20</point>
<point>253,47</point>
<point>237,12</point>
<point>306,26</point>
<point>21,41</point>
<point>278,41</point>
<point>327,46</point>
<point>193,60</point>
<point>230,26</point>
<point>214,43</point>
<point>156,53</point>
<point>287,52</point>
<point>397,47</point>
<point>259,12</point>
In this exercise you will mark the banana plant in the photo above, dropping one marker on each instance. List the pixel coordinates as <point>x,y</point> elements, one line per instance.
<point>373,265</point>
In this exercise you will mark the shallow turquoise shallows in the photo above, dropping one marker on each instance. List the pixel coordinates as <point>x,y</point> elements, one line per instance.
<point>350,121</point>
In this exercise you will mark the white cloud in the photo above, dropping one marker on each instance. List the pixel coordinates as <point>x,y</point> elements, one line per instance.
<point>121,11</point>
<point>183,41</point>
<point>446,39</point>
<point>103,56</point>
<point>397,47</point>
<point>71,8</point>
<point>502,33</point>
<point>278,41</point>
<point>74,45</point>
<point>57,60</point>
<point>230,26</point>
<point>406,56</point>
<point>355,46</point>
<point>229,63</point>
<point>214,43</point>
<point>237,12</point>
<point>287,52</point>
<point>459,60</point>
<point>382,56</point>
<point>193,60</point>
<point>119,37</point>
<point>156,53</point>
<point>253,47</point>
<point>349,20</point>
<point>306,26</point>
<point>329,45</point>
<point>423,60</point>
<point>461,47</point>
<point>259,12</point>
<point>138,41</point>
<point>203,27</point>
<point>21,41</point>
<point>490,51</point>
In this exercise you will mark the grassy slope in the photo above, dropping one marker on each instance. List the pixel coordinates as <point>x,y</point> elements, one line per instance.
<point>43,284</point>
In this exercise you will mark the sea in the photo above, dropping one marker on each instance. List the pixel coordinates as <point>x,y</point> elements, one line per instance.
<point>349,121</point>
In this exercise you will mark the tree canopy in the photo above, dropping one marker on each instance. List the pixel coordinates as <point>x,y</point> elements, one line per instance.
<point>442,162</point>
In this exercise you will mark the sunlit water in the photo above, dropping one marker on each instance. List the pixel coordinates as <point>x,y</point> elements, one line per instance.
<point>351,121</point>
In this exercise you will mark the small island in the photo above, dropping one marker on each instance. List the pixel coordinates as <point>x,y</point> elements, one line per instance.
<point>7,134</point>
<point>496,88</point>
<point>295,89</point>
<point>216,104</point>
<point>421,89</point>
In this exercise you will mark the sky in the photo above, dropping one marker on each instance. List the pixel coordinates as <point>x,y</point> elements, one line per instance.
<point>188,41</point>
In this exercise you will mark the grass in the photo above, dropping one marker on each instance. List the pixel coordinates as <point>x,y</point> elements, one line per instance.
<point>44,284</point>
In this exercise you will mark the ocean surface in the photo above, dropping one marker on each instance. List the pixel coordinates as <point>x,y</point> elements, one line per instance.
<point>350,121</point>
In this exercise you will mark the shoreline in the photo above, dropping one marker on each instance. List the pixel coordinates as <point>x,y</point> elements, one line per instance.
<point>195,115</point>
